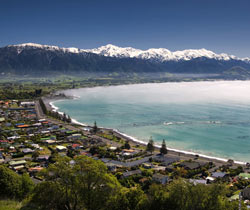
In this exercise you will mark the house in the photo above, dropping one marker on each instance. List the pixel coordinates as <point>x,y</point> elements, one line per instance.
<point>137,162</point>
<point>160,178</point>
<point>36,146</point>
<point>159,168</point>
<point>165,159</point>
<point>111,166</point>
<point>198,181</point>
<point>14,163</point>
<point>191,165</point>
<point>27,151</point>
<point>76,146</point>
<point>17,168</point>
<point>131,173</point>
<point>27,103</point>
<point>147,165</point>
<point>61,148</point>
<point>246,193</point>
<point>42,158</point>
<point>218,175</point>
<point>50,141</point>
<point>244,175</point>
<point>75,136</point>
<point>210,179</point>
<point>169,168</point>
<point>113,148</point>
<point>128,152</point>
<point>34,170</point>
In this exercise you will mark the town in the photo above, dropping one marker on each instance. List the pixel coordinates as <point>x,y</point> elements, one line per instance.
<point>30,141</point>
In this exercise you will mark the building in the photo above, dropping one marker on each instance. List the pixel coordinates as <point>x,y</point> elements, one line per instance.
<point>14,163</point>
<point>61,148</point>
<point>244,175</point>
<point>198,181</point>
<point>246,193</point>
<point>131,173</point>
<point>166,159</point>
<point>160,178</point>
<point>190,165</point>
<point>218,175</point>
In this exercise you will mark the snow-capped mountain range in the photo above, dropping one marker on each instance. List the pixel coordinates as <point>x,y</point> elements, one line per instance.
<point>158,54</point>
<point>36,59</point>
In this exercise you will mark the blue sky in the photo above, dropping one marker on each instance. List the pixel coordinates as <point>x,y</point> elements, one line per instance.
<point>217,25</point>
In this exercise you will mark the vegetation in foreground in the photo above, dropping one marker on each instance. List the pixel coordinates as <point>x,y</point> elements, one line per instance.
<point>84,183</point>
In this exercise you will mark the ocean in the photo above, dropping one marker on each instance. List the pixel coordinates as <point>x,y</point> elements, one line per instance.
<point>209,118</point>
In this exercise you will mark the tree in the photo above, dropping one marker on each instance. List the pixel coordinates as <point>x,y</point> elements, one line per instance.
<point>150,145</point>
<point>163,149</point>
<point>10,183</point>
<point>127,145</point>
<point>64,117</point>
<point>181,194</point>
<point>95,128</point>
<point>81,184</point>
<point>69,119</point>
<point>27,185</point>
<point>129,199</point>
<point>13,185</point>
<point>35,154</point>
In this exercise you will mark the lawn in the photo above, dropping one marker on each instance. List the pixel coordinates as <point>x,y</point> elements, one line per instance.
<point>10,205</point>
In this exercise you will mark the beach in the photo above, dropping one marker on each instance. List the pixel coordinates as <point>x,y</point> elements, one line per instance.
<point>184,155</point>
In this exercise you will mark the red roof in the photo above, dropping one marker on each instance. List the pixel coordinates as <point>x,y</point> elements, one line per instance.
<point>23,126</point>
<point>4,141</point>
<point>75,145</point>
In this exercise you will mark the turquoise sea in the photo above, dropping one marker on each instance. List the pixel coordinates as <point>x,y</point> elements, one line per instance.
<point>211,118</point>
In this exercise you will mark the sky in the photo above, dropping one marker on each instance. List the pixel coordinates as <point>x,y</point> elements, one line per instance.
<point>217,25</point>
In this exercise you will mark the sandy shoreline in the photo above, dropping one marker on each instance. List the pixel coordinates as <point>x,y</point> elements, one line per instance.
<point>49,102</point>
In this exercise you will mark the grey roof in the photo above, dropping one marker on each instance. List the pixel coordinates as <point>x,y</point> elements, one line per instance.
<point>132,163</point>
<point>198,181</point>
<point>218,174</point>
<point>191,165</point>
<point>166,159</point>
<point>160,176</point>
<point>130,173</point>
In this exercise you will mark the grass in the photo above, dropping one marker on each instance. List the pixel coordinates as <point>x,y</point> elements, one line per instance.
<point>10,205</point>
<point>45,151</point>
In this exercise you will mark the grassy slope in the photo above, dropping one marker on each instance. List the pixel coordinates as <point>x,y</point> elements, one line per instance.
<point>10,205</point>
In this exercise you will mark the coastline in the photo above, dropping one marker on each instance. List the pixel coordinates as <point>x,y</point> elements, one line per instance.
<point>49,102</point>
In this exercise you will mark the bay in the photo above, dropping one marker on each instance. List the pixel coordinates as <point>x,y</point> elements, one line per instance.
<point>211,118</point>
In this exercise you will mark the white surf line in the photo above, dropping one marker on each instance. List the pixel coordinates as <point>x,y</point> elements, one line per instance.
<point>145,143</point>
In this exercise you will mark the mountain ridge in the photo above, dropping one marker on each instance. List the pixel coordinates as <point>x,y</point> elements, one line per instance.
<point>30,58</point>
<point>159,54</point>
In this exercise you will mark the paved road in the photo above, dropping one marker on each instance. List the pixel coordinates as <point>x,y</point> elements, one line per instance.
<point>41,115</point>
<point>182,156</point>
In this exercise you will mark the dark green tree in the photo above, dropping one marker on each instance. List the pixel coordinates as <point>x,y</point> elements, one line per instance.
<point>163,149</point>
<point>82,184</point>
<point>150,145</point>
<point>95,128</point>
<point>69,119</point>
<point>13,185</point>
<point>35,154</point>
<point>127,145</point>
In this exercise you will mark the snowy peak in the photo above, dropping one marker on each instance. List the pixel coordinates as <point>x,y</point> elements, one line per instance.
<point>20,47</point>
<point>159,54</point>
